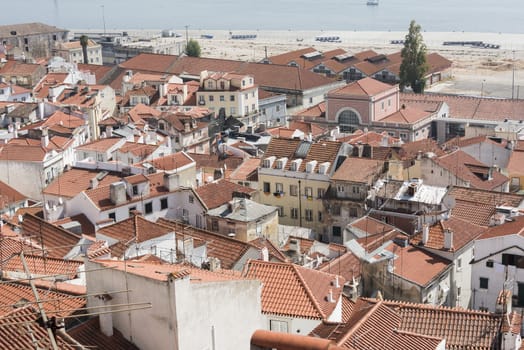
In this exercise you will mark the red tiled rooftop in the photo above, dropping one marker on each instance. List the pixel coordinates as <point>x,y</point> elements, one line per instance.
<point>292,290</point>
<point>136,229</point>
<point>361,170</point>
<point>221,192</point>
<point>101,145</point>
<point>89,334</point>
<point>76,180</point>
<point>362,87</point>
<point>514,227</point>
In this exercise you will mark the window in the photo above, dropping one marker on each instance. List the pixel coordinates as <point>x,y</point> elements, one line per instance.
<point>112,216</point>
<point>459,264</point>
<point>232,110</point>
<point>135,190</point>
<point>336,209</point>
<point>513,260</point>
<point>211,98</point>
<point>356,190</point>
<point>278,326</point>
<point>353,212</point>
<point>280,210</point>
<point>489,263</point>
<point>311,100</point>
<point>214,225</point>
<point>459,291</point>
<point>403,136</point>
<point>382,105</point>
<point>320,217</point>
<point>293,190</point>
<point>131,210</point>
<point>222,85</point>
<point>309,192</point>
<point>309,215</point>
<point>209,84</point>
<point>246,96</point>
<point>222,98</point>
<point>340,188</point>
<point>348,121</point>
<point>232,98</point>
<point>191,199</point>
<point>277,108</point>
<point>337,231</point>
<point>267,187</point>
<point>294,213</point>
<point>149,208</point>
<point>279,188</point>
<point>163,203</point>
<point>321,192</point>
<point>483,283</point>
<point>252,106</point>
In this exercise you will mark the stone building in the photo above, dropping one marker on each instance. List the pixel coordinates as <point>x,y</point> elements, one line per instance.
<point>37,39</point>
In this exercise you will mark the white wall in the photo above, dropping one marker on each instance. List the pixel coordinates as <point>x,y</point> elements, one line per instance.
<point>301,326</point>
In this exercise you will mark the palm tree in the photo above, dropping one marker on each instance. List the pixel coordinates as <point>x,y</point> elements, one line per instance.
<point>84,40</point>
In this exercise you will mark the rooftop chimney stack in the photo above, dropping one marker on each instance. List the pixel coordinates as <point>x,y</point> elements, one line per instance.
<point>448,239</point>
<point>425,234</point>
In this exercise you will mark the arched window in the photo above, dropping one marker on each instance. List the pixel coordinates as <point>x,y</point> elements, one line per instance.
<point>348,121</point>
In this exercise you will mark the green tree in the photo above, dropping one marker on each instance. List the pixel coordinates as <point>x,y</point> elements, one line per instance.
<point>84,40</point>
<point>193,48</point>
<point>413,67</point>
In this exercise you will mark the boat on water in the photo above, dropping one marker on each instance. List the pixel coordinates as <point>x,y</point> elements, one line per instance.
<point>328,39</point>
<point>206,36</point>
<point>372,3</point>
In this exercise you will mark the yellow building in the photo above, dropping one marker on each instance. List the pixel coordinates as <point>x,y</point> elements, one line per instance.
<point>294,177</point>
<point>235,94</point>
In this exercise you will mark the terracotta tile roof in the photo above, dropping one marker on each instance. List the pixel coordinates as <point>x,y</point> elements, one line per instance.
<point>135,229</point>
<point>468,141</point>
<point>515,165</point>
<point>514,227</point>
<point>99,71</point>
<point>371,225</point>
<point>292,290</point>
<point>214,161</point>
<point>10,246</point>
<point>369,138</point>
<point>266,75</point>
<point>316,111</point>
<point>141,111</point>
<point>307,128</point>
<point>13,293</point>
<point>290,56</point>
<point>76,180</point>
<point>23,153</point>
<point>76,44</point>
<point>18,68</point>
<point>465,166</point>
<point>138,149</point>
<point>19,330</point>
<point>410,150</point>
<point>171,162</point>
<point>247,171</point>
<point>346,265</point>
<point>161,272</point>
<point>88,334</point>
<point>226,249</point>
<point>305,244</point>
<point>101,145</point>
<point>362,87</point>
<point>406,115</point>
<point>274,252</point>
<point>473,107</point>
<point>464,232</point>
<point>416,265</point>
<point>41,266</point>
<point>221,192</point>
<point>56,241</point>
<point>9,195</point>
<point>360,170</point>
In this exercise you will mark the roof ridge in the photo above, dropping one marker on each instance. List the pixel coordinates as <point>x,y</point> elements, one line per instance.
<point>308,291</point>
<point>357,325</point>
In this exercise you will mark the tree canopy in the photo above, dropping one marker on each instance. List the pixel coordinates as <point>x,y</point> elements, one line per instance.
<point>84,41</point>
<point>193,48</point>
<point>413,67</point>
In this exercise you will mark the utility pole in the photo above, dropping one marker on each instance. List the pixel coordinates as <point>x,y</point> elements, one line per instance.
<point>104,18</point>
<point>187,36</point>
<point>299,205</point>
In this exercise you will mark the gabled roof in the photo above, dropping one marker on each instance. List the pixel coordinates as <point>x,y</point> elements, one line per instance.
<point>273,250</point>
<point>13,293</point>
<point>216,162</point>
<point>226,249</point>
<point>464,166</point>
<point>406,115</point>
<point>38,265</point>
<point>516,163</point>
<point>22,153</point>
<point>464,232</point>
<point>316,111</point>
<point>215,194</point>
<point>360,170</point>
<point>292,290</point>
<point>138,149</point>
<point>135,229</point>
<point>141,111</point>
<point>18,68</point>
<point>170,162</point>
<point>247,171</point>
<point>346,265</point>
<point>9,195</point>
<point>88,334</point>
<point>367,87</point>
<point>469,141</point>
<point>101,145</point>
<point>56,241</point>
<point>513,227</point>
<point>477,205</point>
<point>266,75</point>
<point>73,181</point>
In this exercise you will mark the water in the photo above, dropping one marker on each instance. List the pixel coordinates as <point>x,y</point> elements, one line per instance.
<point>443,15</point>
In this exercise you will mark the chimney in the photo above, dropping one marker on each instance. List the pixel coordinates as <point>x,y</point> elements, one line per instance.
<point>187,126</point>
<point>117,192</point>
<point>93,183</point>
<point>330,297</point>
<point>294,245</point>
<point>412,188</point>
<point>448,239</point>
<point>41,110</point>
<point>171,181</point>
<point>45,138</point>
<point>490,173</point>
<point>425,234</point>
<point>335,282</point>
<point>106,323</point>
<point>109,131</point>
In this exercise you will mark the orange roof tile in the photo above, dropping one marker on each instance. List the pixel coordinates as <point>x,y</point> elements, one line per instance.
<point>516,163</point>
<point>292,290</point>
<point>171,162</point>
<point>361,170</point>
<point>42,266</point>
<point>246,171</point>
<point>101,145</point>
<point>76,180</point>
<point>135,229</point>
<point>221,192</point>
<point>514,227</point>
<point>362,87</point>
<point>406,115</point>
<point>88,334</point>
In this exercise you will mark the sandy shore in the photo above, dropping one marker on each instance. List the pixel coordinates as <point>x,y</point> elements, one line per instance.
<point>490,68</point>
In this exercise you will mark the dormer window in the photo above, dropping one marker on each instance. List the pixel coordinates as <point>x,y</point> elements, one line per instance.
<point>281,163</point>
<point>310,166</point>
<point>295,164</point>
<point>268,162</point>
